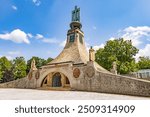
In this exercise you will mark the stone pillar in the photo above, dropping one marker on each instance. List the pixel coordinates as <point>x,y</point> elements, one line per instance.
<point>91,54</point>
<point>49,79</point>
<point>63,80</point>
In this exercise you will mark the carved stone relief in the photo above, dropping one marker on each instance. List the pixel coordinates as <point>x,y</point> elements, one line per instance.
<point>76,72</point>
<point>89,72</point>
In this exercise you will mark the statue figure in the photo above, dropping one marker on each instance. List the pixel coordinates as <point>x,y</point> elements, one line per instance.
<point>91,54</point>
<point>76,14</point>
<point>114,68</point>
<point>33,66</point>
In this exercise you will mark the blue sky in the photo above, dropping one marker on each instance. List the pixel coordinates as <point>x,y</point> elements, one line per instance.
<point>39,27</point>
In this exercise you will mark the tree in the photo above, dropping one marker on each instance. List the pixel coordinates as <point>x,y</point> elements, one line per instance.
<point>119,50</point>
<point>38,61</point>
<point>8,76</point>
<point>49,60</point>
<point>5,70</point>
<point>144,62</point>
<point>19,67</point>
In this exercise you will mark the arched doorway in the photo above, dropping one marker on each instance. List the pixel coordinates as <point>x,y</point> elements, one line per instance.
<point>56,80</point>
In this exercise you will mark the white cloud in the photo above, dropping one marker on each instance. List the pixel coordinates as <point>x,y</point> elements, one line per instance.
<point>96,47</point>
<point>136,34</point>
<point>36,2</point>
<point>112,38</point>
<point>30,35</point>
<point>14,7</point>
<point>39,36</point>
<point>144,51</point>
<point>46,40</point>
<point>16,36</point>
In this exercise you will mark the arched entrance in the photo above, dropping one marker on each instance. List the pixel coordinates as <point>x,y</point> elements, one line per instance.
<point>55,80</point>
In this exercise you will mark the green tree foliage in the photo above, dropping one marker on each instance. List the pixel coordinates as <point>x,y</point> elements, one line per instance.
<point>5,70</point>
<point>144,62</point>
<point>119,50</point>
<point>19,67</point>
<point>49,60</point>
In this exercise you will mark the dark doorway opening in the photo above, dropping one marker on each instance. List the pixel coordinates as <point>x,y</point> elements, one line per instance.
<point>56,80</point>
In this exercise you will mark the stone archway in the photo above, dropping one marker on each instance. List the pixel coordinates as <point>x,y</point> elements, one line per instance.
<point>56,79</point>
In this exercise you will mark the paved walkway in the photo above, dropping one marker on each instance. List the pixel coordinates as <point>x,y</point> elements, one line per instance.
<point>29,94</point>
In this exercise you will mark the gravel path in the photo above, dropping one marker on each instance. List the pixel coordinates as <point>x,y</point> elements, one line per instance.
<point>29,94</point>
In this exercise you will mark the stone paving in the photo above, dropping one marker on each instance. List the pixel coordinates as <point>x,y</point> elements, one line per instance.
<point>32,94</point>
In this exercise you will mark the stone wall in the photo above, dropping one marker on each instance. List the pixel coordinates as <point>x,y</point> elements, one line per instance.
<point>91,78</point>
<point>116,84</point>
<point>20,83</point>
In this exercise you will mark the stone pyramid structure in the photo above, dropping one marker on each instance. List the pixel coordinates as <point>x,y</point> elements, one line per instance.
<point>74,50</point>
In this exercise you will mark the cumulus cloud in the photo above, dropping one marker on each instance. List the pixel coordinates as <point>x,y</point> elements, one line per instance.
<point>46,40</point>
<point>39,36</point>
<point>14,7</point>
<point>96,47</point>
<point>36,2</point>
<point>112,38</point>
<point>30,35</point>
<point>143,52</point>
<point>17,36</point>
<point>136,34</point>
